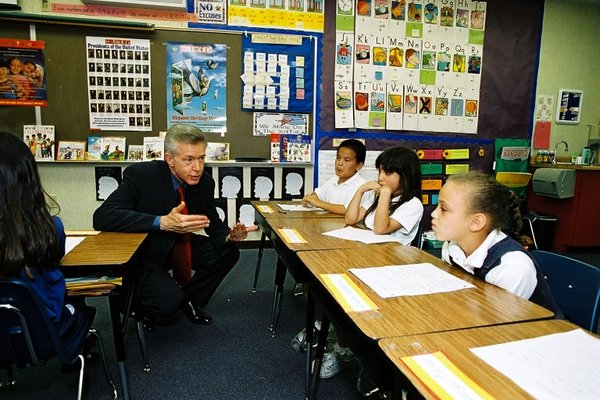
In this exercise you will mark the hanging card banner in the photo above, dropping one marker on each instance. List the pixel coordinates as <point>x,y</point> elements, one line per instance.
<point>456,168</point>
<point>456,154</point>
<point>431,184</point>
<point>430,154</point>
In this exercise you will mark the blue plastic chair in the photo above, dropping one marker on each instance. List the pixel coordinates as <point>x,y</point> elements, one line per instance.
<point>29,338</point>
<point>575,286</point>
<point>418,240</point>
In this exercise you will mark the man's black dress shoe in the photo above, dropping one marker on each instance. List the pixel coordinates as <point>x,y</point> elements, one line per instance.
<point>196,315</point>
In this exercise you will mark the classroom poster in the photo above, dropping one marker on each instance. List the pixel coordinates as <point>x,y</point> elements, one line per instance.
<point>22,73</point>
<point>196,81</point>
<point>278,72</point>
<point>119,83</point>
<point>209,11</point>
<point>285,124</point>
<point>415,65</point>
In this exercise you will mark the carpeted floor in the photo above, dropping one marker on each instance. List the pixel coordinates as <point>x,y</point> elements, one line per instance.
<point>235,358</point>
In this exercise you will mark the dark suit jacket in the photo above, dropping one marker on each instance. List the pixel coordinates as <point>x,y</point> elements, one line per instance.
<point>147,191</point>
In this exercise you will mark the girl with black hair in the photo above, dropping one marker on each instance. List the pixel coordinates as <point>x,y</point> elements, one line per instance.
<point>32,242</point>
<point>392,204</point>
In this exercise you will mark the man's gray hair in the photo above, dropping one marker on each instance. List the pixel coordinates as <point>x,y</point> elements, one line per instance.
<point>182,133</point>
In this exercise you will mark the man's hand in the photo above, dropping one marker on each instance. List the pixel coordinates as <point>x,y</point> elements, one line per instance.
<point>175,221</point>
<point>239,232</point>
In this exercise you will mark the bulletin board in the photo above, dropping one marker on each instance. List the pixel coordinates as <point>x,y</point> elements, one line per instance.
<point>66,73</point>
<point>511,48</point>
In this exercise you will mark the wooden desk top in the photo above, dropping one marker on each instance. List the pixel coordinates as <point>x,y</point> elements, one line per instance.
<point>104,249</point>
<point>278,212</point>
<point>407,315</point>
<point>311,229</point>
<point>456,344</point>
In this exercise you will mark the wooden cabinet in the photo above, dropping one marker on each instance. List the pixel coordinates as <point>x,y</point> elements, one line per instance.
<point>579,216</point>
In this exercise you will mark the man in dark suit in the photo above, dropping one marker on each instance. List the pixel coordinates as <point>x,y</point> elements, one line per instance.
<point>148,201</point>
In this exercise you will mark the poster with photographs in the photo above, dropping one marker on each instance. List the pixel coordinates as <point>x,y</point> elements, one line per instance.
<point>119,85</point>
<point>22,73</point>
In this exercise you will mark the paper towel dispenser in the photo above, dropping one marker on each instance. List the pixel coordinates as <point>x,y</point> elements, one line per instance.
<point>554,182</point>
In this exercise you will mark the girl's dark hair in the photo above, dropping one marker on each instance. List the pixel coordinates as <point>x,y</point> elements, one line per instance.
<point>405,163</point>
<point>489,197</point>
<point>359,149</point>
<point>27,233</point>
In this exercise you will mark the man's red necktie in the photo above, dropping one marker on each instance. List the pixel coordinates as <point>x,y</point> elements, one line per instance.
<point>181,254</point>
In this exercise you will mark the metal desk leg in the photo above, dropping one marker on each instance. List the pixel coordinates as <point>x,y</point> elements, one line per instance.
<point>118,336</point>
<point>279,282</point>
<point>310,323</point>
<point>320,351</point>
<point>123,377</point>
<point>261,247</point>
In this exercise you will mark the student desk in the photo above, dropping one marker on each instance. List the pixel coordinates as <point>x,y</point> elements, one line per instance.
<point>310,224</point>
<point>456,344</point>
<point>483,305</point>
<point>277,212</point>
<point>107,251</point>
<point>311,229</point>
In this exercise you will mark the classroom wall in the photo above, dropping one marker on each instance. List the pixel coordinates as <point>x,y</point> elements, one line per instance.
<point>569,60</point>
<point>569,47</point>
<point>36,7</point>
<point>73,187</point>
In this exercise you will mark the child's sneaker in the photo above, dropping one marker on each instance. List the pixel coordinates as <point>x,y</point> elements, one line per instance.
<point>299,341</point>
<point>334,361</point>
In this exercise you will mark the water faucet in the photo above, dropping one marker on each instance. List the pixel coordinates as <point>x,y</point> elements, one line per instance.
<point>556,150</point>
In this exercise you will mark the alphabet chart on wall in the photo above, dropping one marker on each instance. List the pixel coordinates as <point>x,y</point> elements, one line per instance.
<point>409,65</point>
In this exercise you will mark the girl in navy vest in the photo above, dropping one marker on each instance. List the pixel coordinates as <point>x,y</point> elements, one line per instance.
<point>480,221</point>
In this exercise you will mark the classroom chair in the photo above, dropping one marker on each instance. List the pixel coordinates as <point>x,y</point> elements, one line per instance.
<point>575,286</point>
<point>418,240</point>
<point>28,338</point>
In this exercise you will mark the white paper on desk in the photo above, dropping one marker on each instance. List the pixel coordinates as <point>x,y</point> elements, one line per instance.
<point>557,366</point>
<point>72,241</point>
<point>298,207</point>
<point>360,235</point>
<point>409,280</point>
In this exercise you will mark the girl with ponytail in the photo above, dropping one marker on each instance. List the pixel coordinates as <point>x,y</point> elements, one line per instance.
<point>480,221</point>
